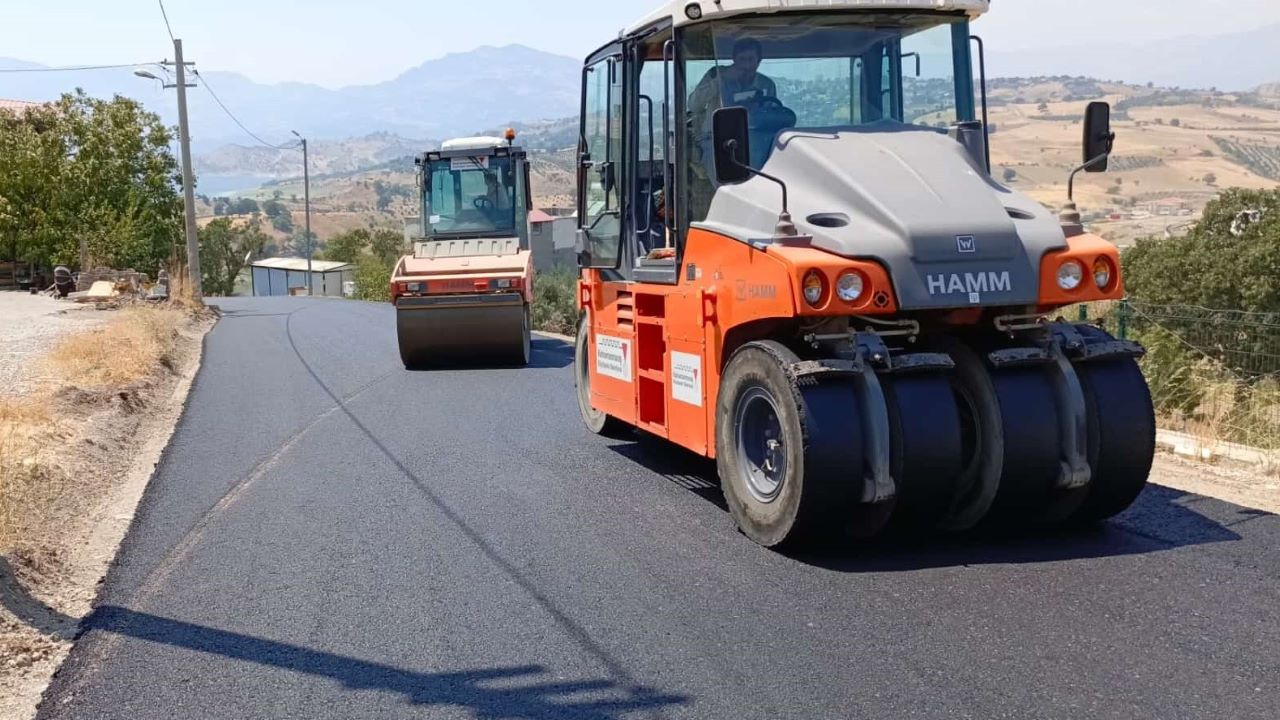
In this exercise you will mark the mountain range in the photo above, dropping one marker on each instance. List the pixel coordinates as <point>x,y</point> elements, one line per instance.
<point>457,94</point>
<point>493,87</point>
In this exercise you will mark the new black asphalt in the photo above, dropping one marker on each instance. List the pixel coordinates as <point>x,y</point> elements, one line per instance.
<point>331,536</point>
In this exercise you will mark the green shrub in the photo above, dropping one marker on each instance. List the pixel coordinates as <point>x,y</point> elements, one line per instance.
<point>373,280</point>
<point>555,302</point>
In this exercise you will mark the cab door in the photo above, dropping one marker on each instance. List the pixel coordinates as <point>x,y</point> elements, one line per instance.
<point>601,166</point>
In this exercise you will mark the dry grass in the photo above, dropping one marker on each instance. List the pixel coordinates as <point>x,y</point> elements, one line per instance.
<point>124,354</point>
<point>27,486</point>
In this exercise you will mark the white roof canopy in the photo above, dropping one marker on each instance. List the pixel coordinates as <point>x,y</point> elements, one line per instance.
<point>299,264</point>
<point>479,142</point>
<point>713,9</point>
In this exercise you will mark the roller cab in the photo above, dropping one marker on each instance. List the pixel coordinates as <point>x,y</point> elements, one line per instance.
<point>463,296</point>
<point>796,261</point>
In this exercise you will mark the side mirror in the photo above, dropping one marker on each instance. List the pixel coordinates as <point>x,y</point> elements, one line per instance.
<point>1098,137</point>
<point>732,145</point>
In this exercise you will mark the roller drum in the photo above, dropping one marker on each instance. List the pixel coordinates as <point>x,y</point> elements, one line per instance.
<point>463,330</point>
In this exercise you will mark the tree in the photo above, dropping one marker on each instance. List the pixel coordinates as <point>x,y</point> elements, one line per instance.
<point>1227,260</point>
<point>1175,122</point>
<point>224,245</point>
<point>348,246</point>
<point>1210,179</point>
<point>387,245</point>
<point>1010,175</point>
<point>93,171</point>
<point>243,206</point>
<point>1043,108</point>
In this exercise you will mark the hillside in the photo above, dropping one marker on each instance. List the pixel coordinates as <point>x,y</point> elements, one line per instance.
<point>1236,61</point>
<point>1175,149</point>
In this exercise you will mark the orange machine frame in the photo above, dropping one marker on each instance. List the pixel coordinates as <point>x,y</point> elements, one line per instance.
<point>655,352</point>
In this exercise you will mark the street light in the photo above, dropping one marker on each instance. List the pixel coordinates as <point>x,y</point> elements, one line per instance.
<point>188,182</point>
<point>306,200</point>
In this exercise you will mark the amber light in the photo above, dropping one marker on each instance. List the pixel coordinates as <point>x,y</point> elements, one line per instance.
<point>1103,273</point>
<point>814,288</point>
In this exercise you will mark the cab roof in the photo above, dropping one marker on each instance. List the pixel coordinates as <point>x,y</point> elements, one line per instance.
<point>676,10</point>
<point>480,142</point>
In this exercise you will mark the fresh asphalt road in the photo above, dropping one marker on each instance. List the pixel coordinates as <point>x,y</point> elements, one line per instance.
<point>330,536</point>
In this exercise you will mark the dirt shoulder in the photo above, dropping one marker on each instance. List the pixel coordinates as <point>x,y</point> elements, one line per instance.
<point>90,401</point>
<point>1236,483</point>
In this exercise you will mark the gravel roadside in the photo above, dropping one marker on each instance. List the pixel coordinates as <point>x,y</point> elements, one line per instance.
<point>30,325</point>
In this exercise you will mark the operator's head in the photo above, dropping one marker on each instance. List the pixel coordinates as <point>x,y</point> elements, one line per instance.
<point>746,57</point>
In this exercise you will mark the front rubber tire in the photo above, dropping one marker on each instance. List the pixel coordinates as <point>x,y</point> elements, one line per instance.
<point>818,459</point>
<point>1122,432</point>
<point>596,421</point>
<point>983,445</point>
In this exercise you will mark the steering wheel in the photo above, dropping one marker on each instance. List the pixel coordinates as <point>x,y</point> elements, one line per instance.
<point>772,114</point>
<point>481,202</point>
<point>771,101</point>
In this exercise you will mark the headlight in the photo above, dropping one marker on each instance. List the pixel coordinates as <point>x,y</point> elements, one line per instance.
<point>850,286</point>
<point>813,288</point>
<point>1070,274</point>
<point>1102,273</point>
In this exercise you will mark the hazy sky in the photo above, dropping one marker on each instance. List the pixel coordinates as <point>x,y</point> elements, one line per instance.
<point>344,42</point>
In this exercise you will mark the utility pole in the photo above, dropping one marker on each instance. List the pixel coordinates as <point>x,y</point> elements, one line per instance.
<point>306,204</point>
<point>188,184</point>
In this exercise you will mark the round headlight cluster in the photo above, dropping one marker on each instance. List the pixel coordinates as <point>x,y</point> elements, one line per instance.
<point>850,286</point>
<point>1070,275</point>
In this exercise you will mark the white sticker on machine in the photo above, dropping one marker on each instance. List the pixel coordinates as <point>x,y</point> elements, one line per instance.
<point>613,357</point>
<point>469,163</point>
<point>686,378</point>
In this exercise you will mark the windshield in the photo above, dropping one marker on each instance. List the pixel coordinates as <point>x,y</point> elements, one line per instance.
<point>828,71</point>
<point>471,195</point>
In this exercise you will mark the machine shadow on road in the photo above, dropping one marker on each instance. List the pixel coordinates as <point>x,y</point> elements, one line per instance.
<point>546,354</point>
<point>517,691</point>
<point>1159,520</point>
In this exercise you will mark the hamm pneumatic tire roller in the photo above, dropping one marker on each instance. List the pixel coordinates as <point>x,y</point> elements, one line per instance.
<point>463,296</point>
<point>855,320</point>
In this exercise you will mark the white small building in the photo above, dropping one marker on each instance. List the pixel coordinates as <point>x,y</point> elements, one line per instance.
<point>288,276</point>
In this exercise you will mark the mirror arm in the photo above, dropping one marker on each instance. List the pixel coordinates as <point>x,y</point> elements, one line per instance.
<point>784,227</point>
<point>1071,180</point>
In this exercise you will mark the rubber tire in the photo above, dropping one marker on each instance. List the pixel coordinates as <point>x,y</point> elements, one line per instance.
<point>926,447</point>
<point>1122,432</point>
<point>1032,441</point>
<point>596,421</point>
<point>979,482</point>
<point>822,437</point>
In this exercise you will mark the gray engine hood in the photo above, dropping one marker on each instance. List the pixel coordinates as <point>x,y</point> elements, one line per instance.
<point>911,198</point>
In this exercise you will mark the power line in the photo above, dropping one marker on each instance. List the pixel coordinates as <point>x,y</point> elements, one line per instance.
<point>204,82</point>
<point>166,19</point>
<point>72,68</point>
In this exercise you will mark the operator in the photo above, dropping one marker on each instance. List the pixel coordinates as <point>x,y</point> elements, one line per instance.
<point>737,84</point>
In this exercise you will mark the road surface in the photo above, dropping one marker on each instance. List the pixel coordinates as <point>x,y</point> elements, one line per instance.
<point>330,536</point>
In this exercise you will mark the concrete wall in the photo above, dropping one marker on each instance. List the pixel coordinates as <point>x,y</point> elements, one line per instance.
<point>553,244</point>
